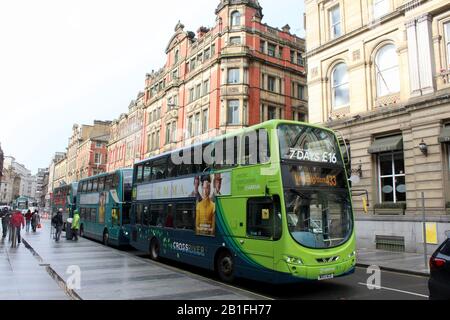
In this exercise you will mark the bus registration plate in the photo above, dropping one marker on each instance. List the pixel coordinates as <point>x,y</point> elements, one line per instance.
<point>326,277</point>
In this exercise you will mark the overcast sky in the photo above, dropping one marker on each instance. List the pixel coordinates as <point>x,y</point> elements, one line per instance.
<point>73,61</point>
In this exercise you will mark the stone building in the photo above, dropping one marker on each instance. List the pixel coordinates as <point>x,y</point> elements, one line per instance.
<point>378,73</point>
<point>60,173</point>
<point>237,73</point>
<point>41,185</point>
<point>52,174</point>
<point>17,181</point>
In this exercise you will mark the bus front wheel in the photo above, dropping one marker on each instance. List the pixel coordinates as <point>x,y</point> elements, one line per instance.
<point>106,238</point>
<point>225,266</point>
<point>154,249</point>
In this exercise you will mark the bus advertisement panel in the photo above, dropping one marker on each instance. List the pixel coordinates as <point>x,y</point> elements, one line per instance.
<point>204,188</point>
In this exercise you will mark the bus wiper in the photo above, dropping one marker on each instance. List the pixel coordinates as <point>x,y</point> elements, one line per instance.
<point>297,137</point>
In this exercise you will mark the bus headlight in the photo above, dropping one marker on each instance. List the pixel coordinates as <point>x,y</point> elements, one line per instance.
<point>353,254</point>
<point>292,260</point>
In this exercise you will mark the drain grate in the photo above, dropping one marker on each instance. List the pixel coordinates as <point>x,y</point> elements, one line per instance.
<point>390,243</point>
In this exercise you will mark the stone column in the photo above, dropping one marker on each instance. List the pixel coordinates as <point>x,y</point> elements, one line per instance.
<point>413,58</point>
<point>424,53</point>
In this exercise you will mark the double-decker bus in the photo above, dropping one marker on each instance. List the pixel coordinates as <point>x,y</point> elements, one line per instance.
<point>65,198</point>
<point>104,204</point>
<point>277,208</point>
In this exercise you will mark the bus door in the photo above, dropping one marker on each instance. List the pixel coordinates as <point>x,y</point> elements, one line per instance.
<point>140,227</point>
<point>263,229</point>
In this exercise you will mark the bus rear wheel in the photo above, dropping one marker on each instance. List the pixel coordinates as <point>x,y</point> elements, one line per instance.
<point>106,238</point>
<point>225,266</point>
<point>154,249</point>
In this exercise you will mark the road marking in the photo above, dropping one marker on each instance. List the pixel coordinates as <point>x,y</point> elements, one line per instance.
<point>396,290</point>
<point>397,272</point>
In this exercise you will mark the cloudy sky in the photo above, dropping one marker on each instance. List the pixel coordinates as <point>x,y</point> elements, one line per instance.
<point>73,61</point>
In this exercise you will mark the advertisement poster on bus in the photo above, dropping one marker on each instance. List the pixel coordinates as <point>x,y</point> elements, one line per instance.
<point>204,188</point>
<point>212,186</point>
<point>102,206</point>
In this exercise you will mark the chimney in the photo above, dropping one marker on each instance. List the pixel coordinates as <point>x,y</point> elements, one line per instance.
<point>286,28</point>
<point>202,31</point>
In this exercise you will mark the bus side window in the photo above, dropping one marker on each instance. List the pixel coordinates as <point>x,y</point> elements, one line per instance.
<point>184,217</point>
<point>145,215</point>
<point>155,211</point>
<point>101,184</point>
<point>147,172</point>
<point>169,219</point>
<point>94,215</point>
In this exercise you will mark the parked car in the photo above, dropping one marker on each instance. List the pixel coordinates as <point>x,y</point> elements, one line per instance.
<point>439,283</point>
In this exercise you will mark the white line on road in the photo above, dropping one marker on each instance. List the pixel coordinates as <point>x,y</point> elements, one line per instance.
<point>396,290</point>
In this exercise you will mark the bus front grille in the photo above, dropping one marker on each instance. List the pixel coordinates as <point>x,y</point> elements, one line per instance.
<point>328,260</point>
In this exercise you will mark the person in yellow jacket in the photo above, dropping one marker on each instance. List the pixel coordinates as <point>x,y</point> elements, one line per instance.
<point>205,211</point>
<point>75,224</point>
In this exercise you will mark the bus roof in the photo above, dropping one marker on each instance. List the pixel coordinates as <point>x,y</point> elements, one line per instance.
<point>271,124</point>
<point>107,174</point>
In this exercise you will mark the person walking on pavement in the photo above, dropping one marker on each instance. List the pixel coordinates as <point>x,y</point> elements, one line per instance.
<point>57,222</point>
<point>75,224</point>
<point>5,222</point>
<point>18,221</point>
<point>35,220</point>
<point>28,216</point>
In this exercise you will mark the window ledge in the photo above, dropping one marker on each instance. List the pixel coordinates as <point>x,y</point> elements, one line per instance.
<point>387,100</point>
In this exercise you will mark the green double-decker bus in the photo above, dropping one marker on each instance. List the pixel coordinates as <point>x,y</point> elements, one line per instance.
<point>104,204</point>
<point>65,198</point>
<point>270,203</point>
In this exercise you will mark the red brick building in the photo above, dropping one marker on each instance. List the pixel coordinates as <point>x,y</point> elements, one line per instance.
<point>92,157</point>
<point>124,146</point>
<point>238,73</point>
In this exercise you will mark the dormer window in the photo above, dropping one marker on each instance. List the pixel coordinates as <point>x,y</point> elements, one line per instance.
<point>235,19</point>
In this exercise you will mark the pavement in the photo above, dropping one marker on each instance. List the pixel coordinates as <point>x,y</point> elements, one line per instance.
<point>411,263</point>
<point>41,269</point>
<point>110,274</point>
<point>23,278</point>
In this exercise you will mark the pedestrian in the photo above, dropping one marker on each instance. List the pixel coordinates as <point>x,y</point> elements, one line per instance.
<point>28,216</point>
<point>57,222</point>
<point>18,221</point>
<point>6,218</point>
<point>75,224</point>
<point>35,220</point>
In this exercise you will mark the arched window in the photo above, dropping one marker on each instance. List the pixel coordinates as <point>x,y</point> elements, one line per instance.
<point>386,70</point>
<point>235,18</point>
<point>339,86</point>
<point>177,55</point>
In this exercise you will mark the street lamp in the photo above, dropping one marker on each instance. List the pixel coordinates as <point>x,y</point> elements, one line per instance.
<point>423,148</point>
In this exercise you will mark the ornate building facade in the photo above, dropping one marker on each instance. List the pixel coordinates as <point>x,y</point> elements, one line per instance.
<point>378,72</point>
<point>82,154</point>
<point>125,143</point>
<point>237,73</point>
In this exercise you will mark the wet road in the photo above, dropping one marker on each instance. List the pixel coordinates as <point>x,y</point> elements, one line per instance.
<point>358,286</point>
